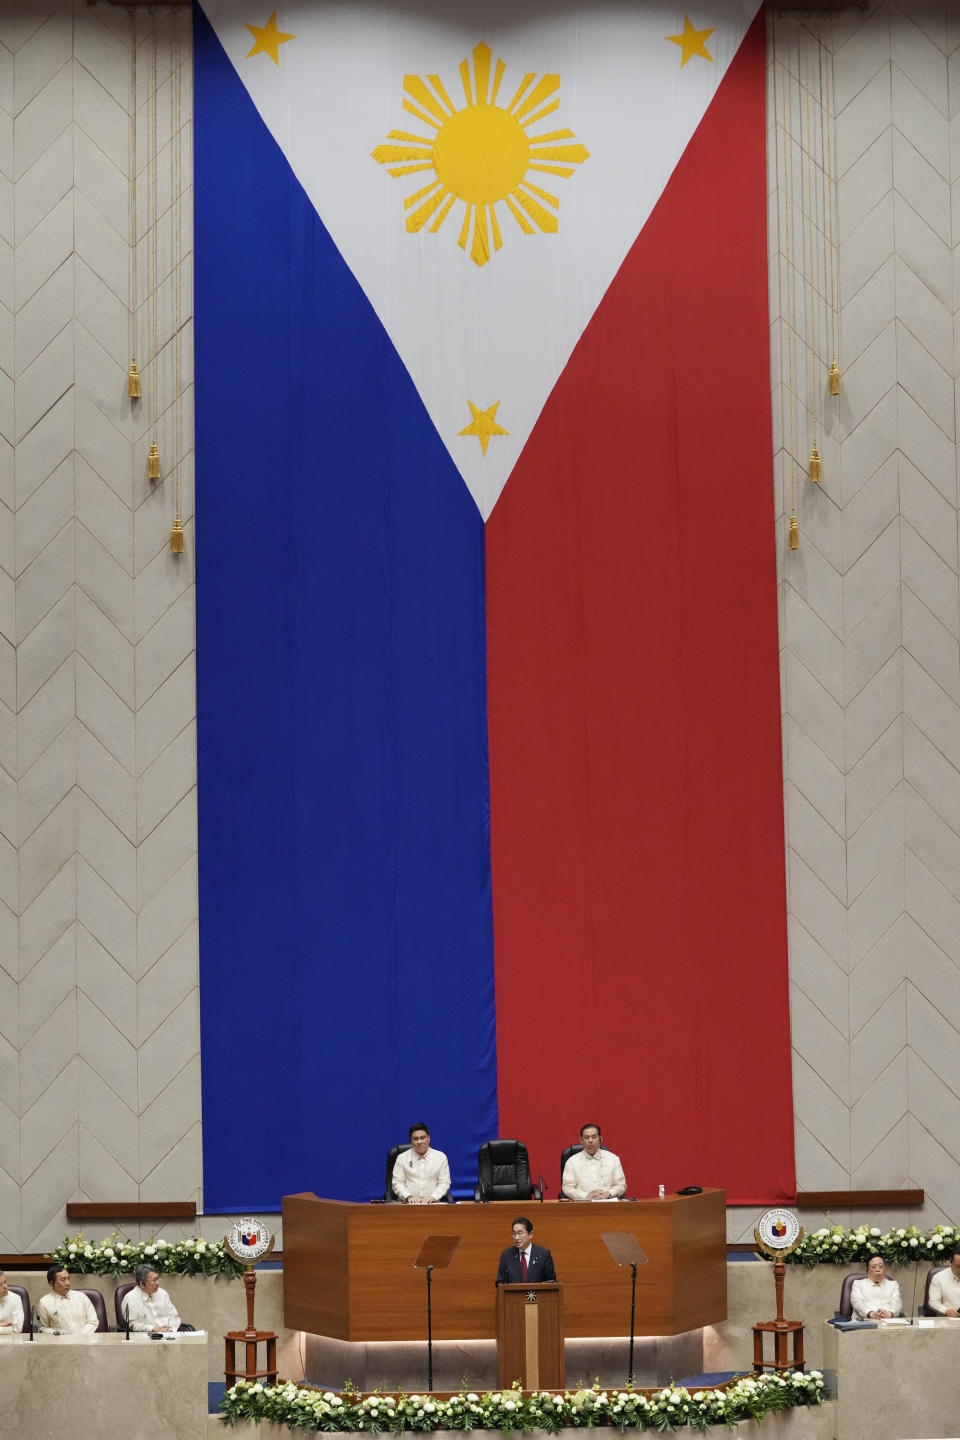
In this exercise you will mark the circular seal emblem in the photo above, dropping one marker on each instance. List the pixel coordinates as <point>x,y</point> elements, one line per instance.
<point>778,1231</point>
<point>249,1240</point>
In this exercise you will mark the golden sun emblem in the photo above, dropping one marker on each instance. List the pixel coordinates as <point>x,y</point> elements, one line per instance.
<point>481,154</point>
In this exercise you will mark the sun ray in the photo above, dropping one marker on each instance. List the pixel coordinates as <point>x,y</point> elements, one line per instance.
<point>481,154</point>
<point>419,194</point>
<point>563,170</point>
<point>441,90</point>
<point>412,109</point>
<point>518,215</point>
<point>419,218</point>
<point>575,153</point>
<point>385,154</point>
<point>547,110</point>
<point>481,71</point>
<point>527,79</point>
<point>548,223</point>
<point>443,214</point>
<point>465,78</point>
<point>418,91</point>
<point>480,249</point>
<point>544,194</point>
<point>540,92</point>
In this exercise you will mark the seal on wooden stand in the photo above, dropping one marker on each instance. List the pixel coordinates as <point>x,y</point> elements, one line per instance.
<point>778,1233</point>
<point>249,1241</point>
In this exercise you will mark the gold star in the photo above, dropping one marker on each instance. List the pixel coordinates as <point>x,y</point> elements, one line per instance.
<point>693,42</point>
<point>268,39</point>
<point>484,424</point>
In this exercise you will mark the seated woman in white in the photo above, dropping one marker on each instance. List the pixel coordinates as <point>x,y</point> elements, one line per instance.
<point>876,1297</point>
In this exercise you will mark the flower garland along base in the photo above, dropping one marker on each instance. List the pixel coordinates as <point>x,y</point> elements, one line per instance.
<point>118,1257</point>
<point>837,1245</point>
<point>302,1407</point>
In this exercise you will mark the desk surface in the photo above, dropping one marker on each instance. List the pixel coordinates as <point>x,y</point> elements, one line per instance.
<point>348,1269</point>
<point>103,1386</point>
<point>895,1381</point>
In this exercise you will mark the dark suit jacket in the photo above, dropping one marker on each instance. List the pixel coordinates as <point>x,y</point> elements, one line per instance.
<point>539,1266</point>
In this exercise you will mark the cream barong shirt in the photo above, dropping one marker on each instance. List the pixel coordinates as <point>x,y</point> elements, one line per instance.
<point>149,1312</point>
<point>67,1313</point>
<point>867,1295</point>
<point>11,1308</point>
<point>944,1292</point>
<point>583,1173</point>
<point>427,1174</point>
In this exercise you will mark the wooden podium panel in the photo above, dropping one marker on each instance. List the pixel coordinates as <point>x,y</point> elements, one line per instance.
<point>348,1269</point>
<point>530,1336</point>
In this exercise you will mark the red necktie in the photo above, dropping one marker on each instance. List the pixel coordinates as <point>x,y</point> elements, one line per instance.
<point>523,1266</point>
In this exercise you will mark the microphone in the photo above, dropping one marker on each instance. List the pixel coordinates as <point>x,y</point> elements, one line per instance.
<point>913,1302</point>
<point>543,1186</point>
<point>32,1317</point>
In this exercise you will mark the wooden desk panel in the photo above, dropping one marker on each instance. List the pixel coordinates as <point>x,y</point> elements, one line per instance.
<point>348,1269</point>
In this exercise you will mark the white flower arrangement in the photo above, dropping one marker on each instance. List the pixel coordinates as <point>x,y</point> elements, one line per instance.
<point>836,1245</point>
<point>301,1407</point>
<point>116,1256</point>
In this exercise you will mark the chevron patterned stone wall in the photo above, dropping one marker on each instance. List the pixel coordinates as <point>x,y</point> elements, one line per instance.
<point>869,620</point>
<point>99,1028</point>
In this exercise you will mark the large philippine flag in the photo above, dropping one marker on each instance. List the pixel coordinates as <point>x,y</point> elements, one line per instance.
<point>491,826</point>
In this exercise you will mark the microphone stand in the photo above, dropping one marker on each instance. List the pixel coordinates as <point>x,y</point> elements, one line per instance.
<point>633,1313</point>
<point>429,1330</point>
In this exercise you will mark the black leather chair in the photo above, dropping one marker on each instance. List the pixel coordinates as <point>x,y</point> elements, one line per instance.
<point>25,1302</point>
<point>118,1298</point>
<point>845,1310</point>
<point>503,1172</point>
<point>570,1150</point>
<point>388,1195</point>
<point>924,1307</point>
<point>97,1301</point>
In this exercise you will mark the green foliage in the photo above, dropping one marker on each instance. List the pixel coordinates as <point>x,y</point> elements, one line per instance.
<point>302,1407</point>
<point>118,1257</point>
<point>836,1245</point>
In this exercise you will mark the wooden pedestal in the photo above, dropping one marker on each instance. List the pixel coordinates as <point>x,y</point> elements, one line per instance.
<point>781,1335</point>
<point>530,1336</point>
<point>251,1341</point>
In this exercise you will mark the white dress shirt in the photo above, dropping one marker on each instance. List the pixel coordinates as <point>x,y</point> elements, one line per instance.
<point>11,1308</point>
<point>583,1173</point>
<point>149,1312</point>
<point>944,1292</point>
<point>426,1174</point>
<point>867,1295</point>
<point>69,1313</point>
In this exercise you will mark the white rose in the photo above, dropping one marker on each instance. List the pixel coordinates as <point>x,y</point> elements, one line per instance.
<point>88,1251</point>
<point>149,1249</point>
<point>874,1230</point>
<point>163,1245</point>
<point>508,1405</point>
<point>429,1407</point>
<point>201,1248</point>
<point>901,1232</point>
<point>72,1249</point>
<point>124,1264</point>
<point>108,1252</point>
<point>914,1242</point>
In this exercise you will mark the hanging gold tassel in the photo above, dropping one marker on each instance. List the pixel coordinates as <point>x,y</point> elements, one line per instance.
<point>793,540</point>
<point>153,462</point>
<point>833,383</point>
<point>815,465</point>
<point>176,537</point>
<point>133,381</point>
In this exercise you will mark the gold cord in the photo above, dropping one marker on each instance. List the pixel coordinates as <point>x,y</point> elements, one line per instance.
<point>834,382</point>
<point>153,458</point>
<point>793,540</point>
<point>815,469</point>
<point>133,374</point>
<point>176,533</point>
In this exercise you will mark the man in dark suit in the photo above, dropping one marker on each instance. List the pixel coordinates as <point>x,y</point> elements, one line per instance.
<point>523,1262</point>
